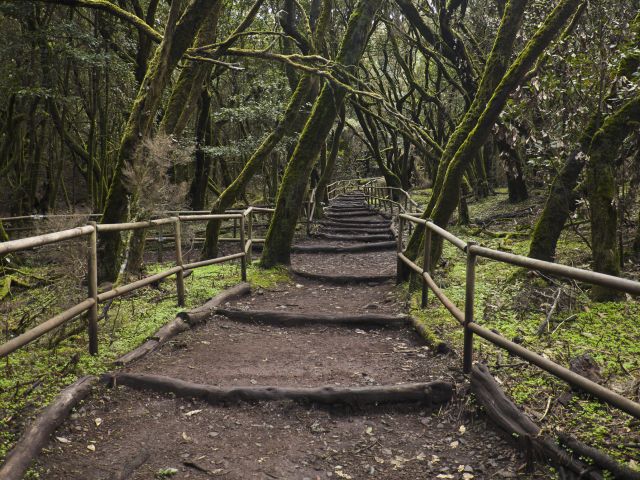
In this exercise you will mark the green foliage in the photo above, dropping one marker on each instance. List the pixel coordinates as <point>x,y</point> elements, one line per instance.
<point>32,377</point>
<point>509,300</point>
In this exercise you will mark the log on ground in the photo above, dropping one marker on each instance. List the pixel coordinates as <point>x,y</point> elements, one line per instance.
<point>430,394</point>
<point>354,238</point>
<point>38,433</point>
<point>183,322</point>
<point>517,425</point>
<point>366,247</point>
<point>289,319</point>
<point>343,279</point>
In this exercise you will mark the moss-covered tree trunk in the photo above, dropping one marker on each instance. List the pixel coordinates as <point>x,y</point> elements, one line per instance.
<point>204,137</point>
<point>448,197</point>
<point>495,69</point>
<point>178,36</point>
<point>291,116</point>
<point>327,172</point>
<point>559,205</point>
<point>601,187</point>
<point>294,183</point>
<point>562,198</point>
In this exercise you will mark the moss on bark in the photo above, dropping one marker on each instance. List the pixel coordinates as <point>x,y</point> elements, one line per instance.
<point>306,87</point>
<point>602,192</point>
<point>290,196</point>
<point>178,36</point>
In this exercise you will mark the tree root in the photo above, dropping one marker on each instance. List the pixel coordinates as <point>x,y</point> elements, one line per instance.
<point>343,279</point>
<point>431,394</point>
<point>287,319</point>
<point>368,247</point>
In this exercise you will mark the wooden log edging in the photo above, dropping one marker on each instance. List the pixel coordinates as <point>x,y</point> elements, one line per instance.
<point>430,394</point>
<point>183,322</point>
<point>366,247</point>
<point>517,425</point>
<point>290,319</point>
<point>354,238</point>
<point>438,345</point>
<point>343,279</point>
<point>37,434</point>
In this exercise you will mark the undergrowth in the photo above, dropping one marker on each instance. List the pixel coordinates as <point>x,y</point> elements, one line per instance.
<point>515,303</point>
<point>32,376</point>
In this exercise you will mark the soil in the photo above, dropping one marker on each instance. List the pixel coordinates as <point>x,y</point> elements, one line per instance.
<point>123,433</point>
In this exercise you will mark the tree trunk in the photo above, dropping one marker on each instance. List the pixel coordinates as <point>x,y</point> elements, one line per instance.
<point>601,187</point>
<point>562,198</point>
<point>495,68</point>
<point>294,183</point>
<point>560,204</point>
<point>321,191</point>
<point>447,199</point>
<point>178,36</point>
<point>291,116</point>
<point>198,188</point>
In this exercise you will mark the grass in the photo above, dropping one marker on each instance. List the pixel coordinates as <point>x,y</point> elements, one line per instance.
<point>32,377</point>
<point>515,302</point>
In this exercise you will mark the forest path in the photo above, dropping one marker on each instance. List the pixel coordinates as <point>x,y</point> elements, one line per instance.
<point>127,433</point>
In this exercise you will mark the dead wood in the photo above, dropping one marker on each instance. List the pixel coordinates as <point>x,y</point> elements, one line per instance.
<point>288,319</point>
<point>601,459</point>
<point>431,394</point>
<point>349,214</point>
<point>367,247</point>
<point>343,279</point>
<point>183,322</point>
<point>352,221</point>
<point>439,346</point>
<point>545,324</point>
<point>38,433</point>
<point>354,238</point>
<point>517,425</point>
<point>198,315</point>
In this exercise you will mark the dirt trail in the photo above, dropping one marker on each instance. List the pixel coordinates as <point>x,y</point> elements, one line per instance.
<point>123,433</point>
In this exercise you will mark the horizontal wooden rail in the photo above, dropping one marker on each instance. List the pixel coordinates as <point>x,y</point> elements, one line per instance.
<point>129,287</point>
<point>243,217</point>
<point>46,239</point>
<point>466,318</point>
<point>45,327</point>
<point>115,227</point>
<point>213,261</point>
<point>587,276</point>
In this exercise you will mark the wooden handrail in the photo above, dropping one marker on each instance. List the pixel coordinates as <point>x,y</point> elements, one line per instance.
<point>91,231</point>
<point>471,328</point>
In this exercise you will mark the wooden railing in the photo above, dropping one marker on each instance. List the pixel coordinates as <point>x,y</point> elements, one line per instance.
<point>91,233</point>
<point>466,317</point>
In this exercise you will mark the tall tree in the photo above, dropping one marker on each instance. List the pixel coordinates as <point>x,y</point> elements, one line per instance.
<point>296,176</point>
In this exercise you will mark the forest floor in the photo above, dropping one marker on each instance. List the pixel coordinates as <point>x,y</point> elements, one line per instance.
<point>147,435</point>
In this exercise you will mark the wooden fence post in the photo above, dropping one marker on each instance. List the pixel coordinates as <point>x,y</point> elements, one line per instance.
<point>468,309</point>
<point>180,273</point>
<point>250,235</point>
<point>400,248</point>
<point>243,259</point>
<point>426,265</point>
<point>92,282</point>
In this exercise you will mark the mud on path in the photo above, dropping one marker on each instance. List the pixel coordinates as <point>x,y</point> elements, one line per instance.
<point>123,433</point>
